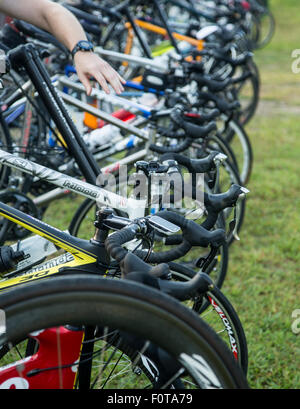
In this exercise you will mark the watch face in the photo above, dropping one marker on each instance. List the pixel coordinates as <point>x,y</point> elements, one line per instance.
<point>86,45</point>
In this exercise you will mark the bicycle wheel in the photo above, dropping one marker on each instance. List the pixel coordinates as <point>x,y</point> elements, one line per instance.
<point>83,219</point>
<point>145,315</point>
<point>215,309</point>
<point>266,28</point>
<point>239,142</point>
<point>10,231</point>
<point>248,91</point>
<point>218,142</point>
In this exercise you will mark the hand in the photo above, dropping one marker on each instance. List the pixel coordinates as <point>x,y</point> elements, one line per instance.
<point>88,65</point>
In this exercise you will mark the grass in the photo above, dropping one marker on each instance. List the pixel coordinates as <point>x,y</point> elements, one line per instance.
<point>263,277</point>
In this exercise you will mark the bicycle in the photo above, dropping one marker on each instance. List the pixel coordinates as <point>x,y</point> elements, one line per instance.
<point>199,349</point>
<point>242,136</point>
<point>113,221</point>
<point>148,358</point>
<point>82,252</point>
<point>46,98</point>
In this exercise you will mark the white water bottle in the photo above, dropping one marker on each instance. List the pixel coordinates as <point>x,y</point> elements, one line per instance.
<point>101,136</point>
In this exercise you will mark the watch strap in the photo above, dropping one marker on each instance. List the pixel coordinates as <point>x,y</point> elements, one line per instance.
<point>79,47</point>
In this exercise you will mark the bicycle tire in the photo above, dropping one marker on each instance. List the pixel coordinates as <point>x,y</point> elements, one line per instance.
<point>249,110</point>
<point>240,144</point>
<point>145,312</point>
<point>218,302</point>
<point>265,39</point>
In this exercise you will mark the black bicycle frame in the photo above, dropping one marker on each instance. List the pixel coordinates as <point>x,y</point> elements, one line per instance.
<point>164,18</point>
<point>26,56</point>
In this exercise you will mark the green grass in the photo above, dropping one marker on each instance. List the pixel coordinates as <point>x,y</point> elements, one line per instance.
<point>263,277</point>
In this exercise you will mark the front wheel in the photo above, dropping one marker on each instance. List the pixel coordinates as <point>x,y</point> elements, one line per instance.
<point>179,345</point>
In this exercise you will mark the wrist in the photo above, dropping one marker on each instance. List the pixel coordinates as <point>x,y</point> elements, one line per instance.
<point>82,46</point>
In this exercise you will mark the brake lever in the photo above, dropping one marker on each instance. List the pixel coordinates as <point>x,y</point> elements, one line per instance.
<point>203,262</point>
<point>233,227</point>
<point>218,160</point>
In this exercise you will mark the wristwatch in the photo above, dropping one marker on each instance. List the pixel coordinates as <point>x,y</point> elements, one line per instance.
<point>82,46</point>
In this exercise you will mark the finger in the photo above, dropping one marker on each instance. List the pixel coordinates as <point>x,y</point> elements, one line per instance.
<point>121,78</point>
<point>86,83</point>
<point>108,69</point>
<point>101,80</point>
<point>115,82</point>
<point>113,78</point>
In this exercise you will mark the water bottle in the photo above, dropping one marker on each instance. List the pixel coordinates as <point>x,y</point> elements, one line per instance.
<point>101,136</point>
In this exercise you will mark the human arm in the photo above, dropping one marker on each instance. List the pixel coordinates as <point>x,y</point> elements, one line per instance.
<point>60,22</point>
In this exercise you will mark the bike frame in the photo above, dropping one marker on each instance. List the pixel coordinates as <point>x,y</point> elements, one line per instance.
<point>134,208</point>
<point>133,59</point>
<point>160,31</point>
<point>26,56</point>
<point>84,255</point>
<point>142,135</point>
<point>84,252</point>
<point>81,254</point>
<point>50,341</point>
<point>133,26</point>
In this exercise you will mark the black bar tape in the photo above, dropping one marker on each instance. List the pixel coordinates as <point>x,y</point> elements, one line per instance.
<point>113,243</point>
